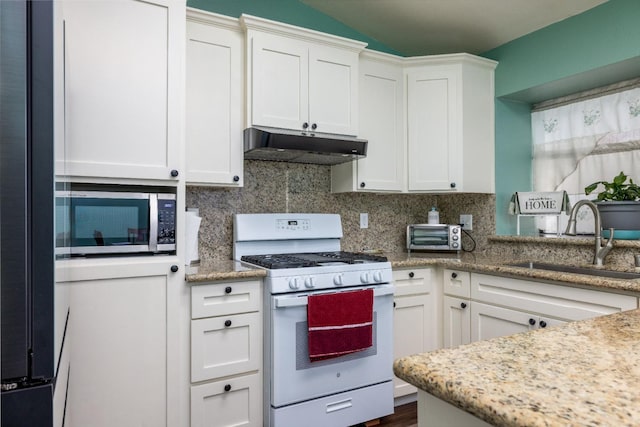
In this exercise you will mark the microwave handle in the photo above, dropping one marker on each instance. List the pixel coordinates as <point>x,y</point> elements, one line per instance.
<point>287,301</point>
<point>153,222</point>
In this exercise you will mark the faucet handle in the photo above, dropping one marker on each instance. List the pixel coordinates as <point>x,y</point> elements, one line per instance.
<point>610,240</point>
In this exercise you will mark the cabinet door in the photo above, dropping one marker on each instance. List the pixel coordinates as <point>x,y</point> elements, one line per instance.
<point>381,123</point>
<point>412,332</point>
<point>231,402</point>
<point>122,344</point>
<point>279,94</point>
<point>457,321</point>
<point>333,90</point>
<point>214,105</point>
<point>434,133</point>
<point>225,345</point>
<point>490,321</point>
<point>121,88</point>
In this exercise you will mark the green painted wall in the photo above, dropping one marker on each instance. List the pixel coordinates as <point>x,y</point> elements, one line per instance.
<point>568,50</point>
<point>290,12</point>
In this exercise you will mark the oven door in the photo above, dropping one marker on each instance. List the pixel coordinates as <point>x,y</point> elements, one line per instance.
<point>294,378</point>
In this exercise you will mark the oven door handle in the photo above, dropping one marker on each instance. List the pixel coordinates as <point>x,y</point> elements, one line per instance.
<point>297,301</point>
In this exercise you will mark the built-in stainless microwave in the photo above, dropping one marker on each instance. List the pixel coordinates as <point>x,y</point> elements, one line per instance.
<point>108,222</point>
<point>434,237</point>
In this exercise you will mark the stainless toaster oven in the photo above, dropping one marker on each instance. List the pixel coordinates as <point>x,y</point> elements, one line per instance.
<point>434,237</point>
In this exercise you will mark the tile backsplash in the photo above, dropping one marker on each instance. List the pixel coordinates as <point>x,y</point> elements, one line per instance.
<point>271,187</point>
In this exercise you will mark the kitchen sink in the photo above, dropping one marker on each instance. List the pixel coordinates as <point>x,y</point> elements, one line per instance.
<point>577,270</point>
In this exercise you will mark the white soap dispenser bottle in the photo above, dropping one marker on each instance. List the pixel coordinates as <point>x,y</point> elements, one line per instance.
<point>434,216</point>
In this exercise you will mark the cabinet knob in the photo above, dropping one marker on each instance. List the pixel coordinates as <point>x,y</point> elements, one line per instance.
<point>227,323</point>
<point>453,185</point>
<point>236,178</point>
<point>314,126</point>
<point>532,322</point>
<point>394,304</point>
<point>227,387</point>
<point>174,268</point>
<point>305,125</point>
<point>174,172</point>
<point>454,275</point>
<point>411,274</point>
<point>463,305</point>
<point>227,290</point>
<point>543,324</point>
<point>362,185</point>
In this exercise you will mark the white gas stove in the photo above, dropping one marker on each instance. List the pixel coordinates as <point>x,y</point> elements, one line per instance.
<point>301,252</point>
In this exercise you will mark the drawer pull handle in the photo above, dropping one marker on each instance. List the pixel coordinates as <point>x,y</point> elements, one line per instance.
<point>227,387</point>
<point>543,324</point>
<point>463,305</point>
<point>532,322</point>
<point>454,275</point>
<point>236,178</point>
<point>411,274</point>
<point>174,173</point>
<point>227,323</point>
<point>227,290</point>
<point>174,268</point>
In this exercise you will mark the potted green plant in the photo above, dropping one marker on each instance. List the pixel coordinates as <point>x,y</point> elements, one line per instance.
<point>619,206</point>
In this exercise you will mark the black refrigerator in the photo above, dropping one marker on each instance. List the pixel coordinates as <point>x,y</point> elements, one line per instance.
<point>26,213</point>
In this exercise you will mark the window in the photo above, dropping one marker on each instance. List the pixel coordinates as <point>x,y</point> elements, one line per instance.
<point>586,138</point>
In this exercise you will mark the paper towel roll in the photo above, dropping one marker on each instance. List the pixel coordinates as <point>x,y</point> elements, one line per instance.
<point>192,226</point>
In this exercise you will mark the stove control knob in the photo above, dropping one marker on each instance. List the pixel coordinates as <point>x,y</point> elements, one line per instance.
<point>310,282</point>
<point>377,276</point>
<point>294,283</point>
<point>337,279</point>
<point>364,277</point>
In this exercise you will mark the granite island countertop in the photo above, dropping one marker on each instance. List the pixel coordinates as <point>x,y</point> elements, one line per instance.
<point>583,373</point>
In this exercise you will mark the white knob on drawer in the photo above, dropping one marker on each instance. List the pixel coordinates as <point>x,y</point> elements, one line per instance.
<point>364,277</point>
<point>377,276</point>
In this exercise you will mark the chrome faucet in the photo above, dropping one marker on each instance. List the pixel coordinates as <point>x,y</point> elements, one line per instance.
<point>599,251</point>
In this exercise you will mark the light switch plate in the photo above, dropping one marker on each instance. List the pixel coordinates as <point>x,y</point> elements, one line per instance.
<point>364,220</point>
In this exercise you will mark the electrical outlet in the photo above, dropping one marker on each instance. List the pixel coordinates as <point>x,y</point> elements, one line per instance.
<point>364,220</point>
<point>467,222</point>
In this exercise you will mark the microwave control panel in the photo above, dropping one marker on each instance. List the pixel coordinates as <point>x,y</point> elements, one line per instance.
<point>166,221</point>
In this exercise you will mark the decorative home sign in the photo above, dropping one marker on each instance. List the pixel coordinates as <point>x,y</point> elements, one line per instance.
<point>535,203</point>
<point>541,203</point>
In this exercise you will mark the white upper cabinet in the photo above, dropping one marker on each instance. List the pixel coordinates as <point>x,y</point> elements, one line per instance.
<point>450,123</point>
<point>118,89</point>
<point>381,118</point>
<point>214,100</point>
<point>301,79</point>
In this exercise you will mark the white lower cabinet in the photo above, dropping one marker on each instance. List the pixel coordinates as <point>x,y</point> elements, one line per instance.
<point>121,342</point>
<point>480,306</point>
<point>416,327</point>
<point>226,354</point>
<point>490,321</point>
<point>456,322</point>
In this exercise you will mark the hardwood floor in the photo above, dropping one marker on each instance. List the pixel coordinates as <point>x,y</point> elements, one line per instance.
<point>404,416</point>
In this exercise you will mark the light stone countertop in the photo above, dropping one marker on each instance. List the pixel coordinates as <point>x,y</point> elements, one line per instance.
<point>584,373</point>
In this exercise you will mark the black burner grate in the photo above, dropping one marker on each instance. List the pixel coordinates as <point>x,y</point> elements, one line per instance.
<point>315,259</point>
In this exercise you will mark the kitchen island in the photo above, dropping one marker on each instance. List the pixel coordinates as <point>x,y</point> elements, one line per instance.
<point>584,373</point>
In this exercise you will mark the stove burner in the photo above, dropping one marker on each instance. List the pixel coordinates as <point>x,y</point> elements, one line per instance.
<point>316,259</point>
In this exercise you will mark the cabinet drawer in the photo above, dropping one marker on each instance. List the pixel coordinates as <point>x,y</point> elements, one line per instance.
<point>457,283</point>
<point>562,302</point>
<point>412,281</point>
<point>222,298</point>
<point>233,402</point>
<point>225,345</point>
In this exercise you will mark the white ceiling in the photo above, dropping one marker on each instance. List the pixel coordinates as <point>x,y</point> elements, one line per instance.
<point>428,27</point>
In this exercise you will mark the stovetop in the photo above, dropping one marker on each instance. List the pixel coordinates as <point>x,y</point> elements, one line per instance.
<point>314,259</point>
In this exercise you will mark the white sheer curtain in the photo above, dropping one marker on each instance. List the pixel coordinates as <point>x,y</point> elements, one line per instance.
<point>585,141</point>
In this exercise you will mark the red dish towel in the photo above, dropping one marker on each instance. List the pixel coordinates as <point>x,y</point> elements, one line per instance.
<point>339,323</point>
